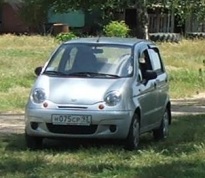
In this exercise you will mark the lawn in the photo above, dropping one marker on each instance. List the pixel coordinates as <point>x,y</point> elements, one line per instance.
<point>185,62</point>
<point>182,155</point>
<point>19,55</point>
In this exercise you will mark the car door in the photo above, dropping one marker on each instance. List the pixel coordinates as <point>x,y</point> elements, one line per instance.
<point>145,91</point>
<point>161,82</point>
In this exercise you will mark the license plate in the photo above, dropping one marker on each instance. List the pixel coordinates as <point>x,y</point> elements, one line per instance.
<point>58,119</point>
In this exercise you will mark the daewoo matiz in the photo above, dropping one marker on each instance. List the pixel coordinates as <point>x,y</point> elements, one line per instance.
<point>104,88</point>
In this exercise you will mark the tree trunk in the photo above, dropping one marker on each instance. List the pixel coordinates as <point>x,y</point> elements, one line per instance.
<point>142,19</point>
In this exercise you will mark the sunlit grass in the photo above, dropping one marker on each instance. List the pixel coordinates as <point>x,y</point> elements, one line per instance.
<point>186,82</point>
<point>19,55</point>
<point>187,54</point>
<point>185,63</point>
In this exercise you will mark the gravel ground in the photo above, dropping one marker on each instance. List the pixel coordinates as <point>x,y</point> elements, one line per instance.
<point>14,123</point>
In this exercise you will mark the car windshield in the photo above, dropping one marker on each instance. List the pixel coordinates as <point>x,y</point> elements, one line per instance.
<point>91,60</point>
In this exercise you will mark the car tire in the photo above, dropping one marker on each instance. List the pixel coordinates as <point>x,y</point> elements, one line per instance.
<point>132,141</point>
<point>165,37</point>
<point>163,131</point>
<point>33,142</point>
<point>195,35</point>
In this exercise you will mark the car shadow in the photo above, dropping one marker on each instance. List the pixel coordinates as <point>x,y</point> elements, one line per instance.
<point>16,142</point>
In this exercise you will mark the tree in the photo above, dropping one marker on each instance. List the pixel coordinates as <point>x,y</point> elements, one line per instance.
<point>186,8</point>
<point>108,7</point>
<point>34,13</point>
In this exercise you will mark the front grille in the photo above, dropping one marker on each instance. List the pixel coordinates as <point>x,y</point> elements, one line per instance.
<point>71,129</point>
<point>71,107</point>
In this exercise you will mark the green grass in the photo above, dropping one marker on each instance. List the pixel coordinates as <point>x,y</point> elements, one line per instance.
<point>185,64</point>
<point>182,155</point>
<point>19,55</point>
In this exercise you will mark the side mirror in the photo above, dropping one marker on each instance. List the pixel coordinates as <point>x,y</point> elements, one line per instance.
<point>150,74</point>
<point>38,70</point>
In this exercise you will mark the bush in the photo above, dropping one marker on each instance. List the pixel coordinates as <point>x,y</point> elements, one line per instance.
<point>115,28</point>
<point>65,36</point>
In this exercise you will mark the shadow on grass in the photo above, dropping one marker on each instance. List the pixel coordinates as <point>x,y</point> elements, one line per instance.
<point>40,167</point>
<point>16,142</point>
<point>17,166</point>
<point>185,132</point>
<point>175,169</point>
<point>37,166</point>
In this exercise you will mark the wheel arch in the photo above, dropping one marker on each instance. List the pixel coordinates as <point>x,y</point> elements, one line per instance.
<point>138,112</point>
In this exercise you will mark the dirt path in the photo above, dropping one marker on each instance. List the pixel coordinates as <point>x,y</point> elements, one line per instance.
<point>188,106</point>
<point>14,123</point>
<point>11,123</point>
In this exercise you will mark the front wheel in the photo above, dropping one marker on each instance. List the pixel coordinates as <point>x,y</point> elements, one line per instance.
<point>163,131</point>
<point>33,142</point>
<point>132,140</point>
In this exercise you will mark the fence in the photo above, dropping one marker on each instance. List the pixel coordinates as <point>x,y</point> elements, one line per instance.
<point>192,25</point>
<point>161,23</point>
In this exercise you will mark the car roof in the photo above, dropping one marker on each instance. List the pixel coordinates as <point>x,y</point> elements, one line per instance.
<point>110,40</point>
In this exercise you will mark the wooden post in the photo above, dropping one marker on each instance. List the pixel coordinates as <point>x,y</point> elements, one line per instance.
<point>172,19</point>
<point>168,21</point>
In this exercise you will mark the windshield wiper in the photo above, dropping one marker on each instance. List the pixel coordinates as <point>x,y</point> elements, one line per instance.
<point>110,75</point>
<point>93,74</point>
<point>53,72</point>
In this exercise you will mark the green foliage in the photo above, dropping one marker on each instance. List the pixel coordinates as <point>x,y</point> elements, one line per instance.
<point>34,12</point>
<point>115,28</point>
<point>187,8</point>
<point>182,7</point>
<point>65,36</point>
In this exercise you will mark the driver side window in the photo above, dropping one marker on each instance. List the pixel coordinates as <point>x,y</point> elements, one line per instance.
<point>144,63</point>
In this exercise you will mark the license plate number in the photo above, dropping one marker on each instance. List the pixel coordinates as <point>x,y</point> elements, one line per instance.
<point>71,119</point>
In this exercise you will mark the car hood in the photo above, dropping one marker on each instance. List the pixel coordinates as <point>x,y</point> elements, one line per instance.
<point>77,91</point>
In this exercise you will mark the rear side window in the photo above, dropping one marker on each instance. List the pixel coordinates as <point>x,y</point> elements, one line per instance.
<point>155,60</point>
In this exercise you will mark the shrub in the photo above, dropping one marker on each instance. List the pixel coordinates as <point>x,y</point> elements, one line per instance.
<point>115,28</point>
<point>65,36</point>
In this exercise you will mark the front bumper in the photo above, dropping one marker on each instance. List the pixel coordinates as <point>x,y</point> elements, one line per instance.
<point>105,124</point>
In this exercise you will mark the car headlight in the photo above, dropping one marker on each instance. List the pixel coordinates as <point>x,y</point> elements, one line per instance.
<point>39,95</point>
<point>112,98</point>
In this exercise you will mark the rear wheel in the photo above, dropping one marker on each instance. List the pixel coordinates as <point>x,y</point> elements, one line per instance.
<point>33,142</point>
<point>163,131</point>
<point>132,140</point>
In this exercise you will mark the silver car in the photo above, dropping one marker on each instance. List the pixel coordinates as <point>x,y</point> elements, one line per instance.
<point>104,88</point>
